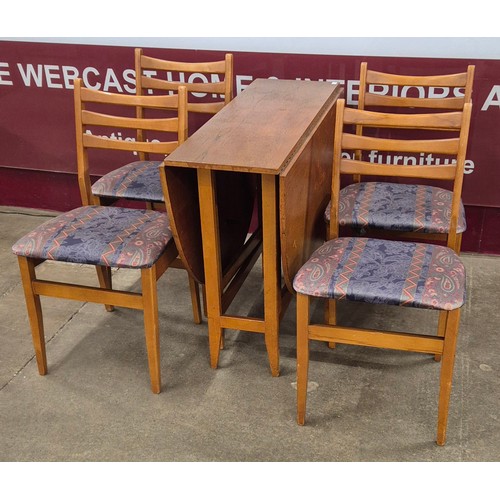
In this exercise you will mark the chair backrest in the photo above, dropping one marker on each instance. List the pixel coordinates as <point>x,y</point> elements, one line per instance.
<point>209,84</point>
<point>395,92</point>
<point>203,80</point>
<point>455,123</point>
<point>445,92</point>
<point>92,109</point>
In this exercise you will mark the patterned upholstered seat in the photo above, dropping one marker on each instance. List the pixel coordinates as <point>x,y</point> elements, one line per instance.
<point>397,207</point>
<point>384,272</point>
<point>139,180</point>
<point>106,236</point>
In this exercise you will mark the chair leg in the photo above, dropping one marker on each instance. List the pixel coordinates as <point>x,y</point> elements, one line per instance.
<point>104,277</point>
<point>151,326</point>
<point>450,343</point>
<point>443,317</point>
<point>458,245</point>
<point>302,355</point>
<point>331,317</point>
<point>204,299</point>
<point>194,290</point>
<point>33,305</point>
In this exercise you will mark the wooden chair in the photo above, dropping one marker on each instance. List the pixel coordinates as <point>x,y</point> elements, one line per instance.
<point>397,207</point>
<point>401,273</point>
<point>99,115</point>
<point>104,237</point>
<point>209,86</point>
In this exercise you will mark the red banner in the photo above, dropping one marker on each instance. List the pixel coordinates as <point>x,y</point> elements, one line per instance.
<point>36,98</point>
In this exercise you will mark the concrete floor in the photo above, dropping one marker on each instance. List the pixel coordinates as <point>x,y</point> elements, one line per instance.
<point>365,404</point>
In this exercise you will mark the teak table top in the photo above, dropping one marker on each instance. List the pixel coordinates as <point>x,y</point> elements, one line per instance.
<point>258,131</point>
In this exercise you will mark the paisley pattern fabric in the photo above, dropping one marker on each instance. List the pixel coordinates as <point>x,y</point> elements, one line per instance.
<point>139,180</point>
<point>108,236</point>
<point>397,207</point>
<point>384,272</point>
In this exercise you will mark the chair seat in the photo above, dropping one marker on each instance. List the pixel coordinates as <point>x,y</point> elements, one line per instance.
<point>139,180</point>
<point>107,236</point>
<point>397,207</point>
<point>384,272</point>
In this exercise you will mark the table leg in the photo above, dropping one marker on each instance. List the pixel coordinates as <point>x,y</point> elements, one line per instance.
<point>271,263</point>
<point>212,260</point>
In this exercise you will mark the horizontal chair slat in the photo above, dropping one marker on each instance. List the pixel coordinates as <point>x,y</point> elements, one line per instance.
<point>456,80</point>
<point>251,324</point>
<point>373,338</point>
<point>205,107</point>
<point>160,101</point>
<point>415,102</point>
<point>438,172</point>
<point>209,67</point>
<point>94,141</point>
<point>156,124</point>
<point>430,121</point>
<point>87,294</point>
<point>438,146</point>
<point>206,87</point>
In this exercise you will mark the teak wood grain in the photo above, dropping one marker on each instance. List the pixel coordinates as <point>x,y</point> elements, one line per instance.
<point>258,131</point>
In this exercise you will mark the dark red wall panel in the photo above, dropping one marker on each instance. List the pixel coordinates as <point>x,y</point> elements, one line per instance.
<point>37,138</point>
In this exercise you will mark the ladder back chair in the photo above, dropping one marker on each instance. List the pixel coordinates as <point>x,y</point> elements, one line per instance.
<point>397,207</point>
<point>137,180</point>
<point>209,85</point>
<point>102,236</point>
<point>400,273</point>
